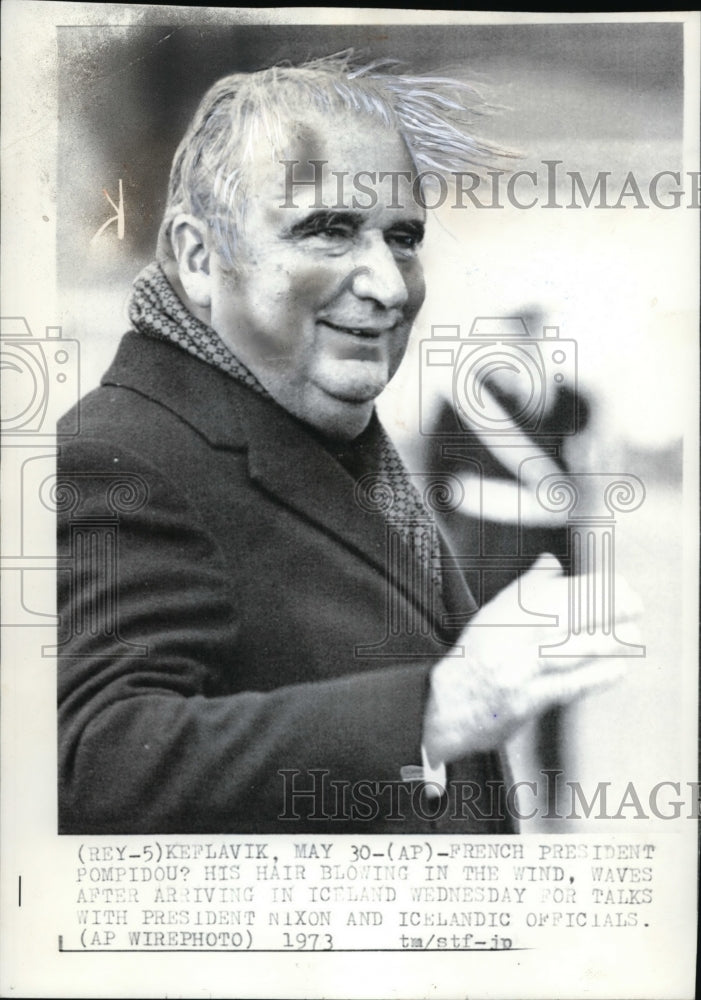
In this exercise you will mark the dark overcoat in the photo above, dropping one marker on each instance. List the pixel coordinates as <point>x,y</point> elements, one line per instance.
<point>236,628</point>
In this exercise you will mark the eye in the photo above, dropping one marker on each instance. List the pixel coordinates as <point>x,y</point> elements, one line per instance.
<point>331,227</point>
<point>336,231</point>
<point>405,241</point>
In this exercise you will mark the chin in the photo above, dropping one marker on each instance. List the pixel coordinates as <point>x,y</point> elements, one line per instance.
<point>358,382</point>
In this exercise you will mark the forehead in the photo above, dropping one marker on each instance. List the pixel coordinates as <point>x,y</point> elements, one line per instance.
<point>338,151</point>
<point>348,141</point>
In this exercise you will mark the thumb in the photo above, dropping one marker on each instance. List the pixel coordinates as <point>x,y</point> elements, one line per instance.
<point>546,561</point>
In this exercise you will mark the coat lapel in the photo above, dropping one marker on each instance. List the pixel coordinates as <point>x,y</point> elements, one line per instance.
<point>292,465</point>
<point>458,601</point>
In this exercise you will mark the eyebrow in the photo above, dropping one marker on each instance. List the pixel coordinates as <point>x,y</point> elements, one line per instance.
<point>324,217</point>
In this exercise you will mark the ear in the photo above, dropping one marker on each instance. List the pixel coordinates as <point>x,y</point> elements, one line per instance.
<point>190,240</point>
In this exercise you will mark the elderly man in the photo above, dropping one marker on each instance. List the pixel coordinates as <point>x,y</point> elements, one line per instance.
<point>234,693</point>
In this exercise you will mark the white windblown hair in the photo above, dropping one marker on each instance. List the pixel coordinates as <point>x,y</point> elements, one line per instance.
<point>434,114</point>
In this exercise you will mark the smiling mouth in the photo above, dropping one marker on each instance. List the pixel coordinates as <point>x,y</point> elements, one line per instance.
<point>368,333</point>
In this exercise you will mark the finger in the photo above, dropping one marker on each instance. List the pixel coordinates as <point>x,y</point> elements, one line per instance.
<point>548,690</point>
<point>545,561</point>
<point>550,662</point>
<point>543,588</point>
<point>554,664</point>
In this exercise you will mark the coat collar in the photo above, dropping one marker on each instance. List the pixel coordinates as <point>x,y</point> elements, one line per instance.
<point>284,459</point>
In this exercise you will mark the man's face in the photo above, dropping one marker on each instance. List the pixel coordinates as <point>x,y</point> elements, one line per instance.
<point>322,300</point>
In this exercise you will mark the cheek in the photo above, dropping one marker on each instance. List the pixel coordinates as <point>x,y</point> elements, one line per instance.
<point>416,287</point>
<point>281,306</point>
<point>311,287</point>
<point>290,293</point>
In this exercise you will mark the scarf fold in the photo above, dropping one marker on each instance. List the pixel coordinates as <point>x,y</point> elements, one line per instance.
<point>156,311</point>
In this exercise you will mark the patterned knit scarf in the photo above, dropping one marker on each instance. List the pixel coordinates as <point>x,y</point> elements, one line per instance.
<point>156,311</point>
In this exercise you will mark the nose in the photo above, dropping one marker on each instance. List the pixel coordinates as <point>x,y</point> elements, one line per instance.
<point>377,275</point>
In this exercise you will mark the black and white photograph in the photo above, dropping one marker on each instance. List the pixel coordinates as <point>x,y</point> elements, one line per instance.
<point>350,451</point>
